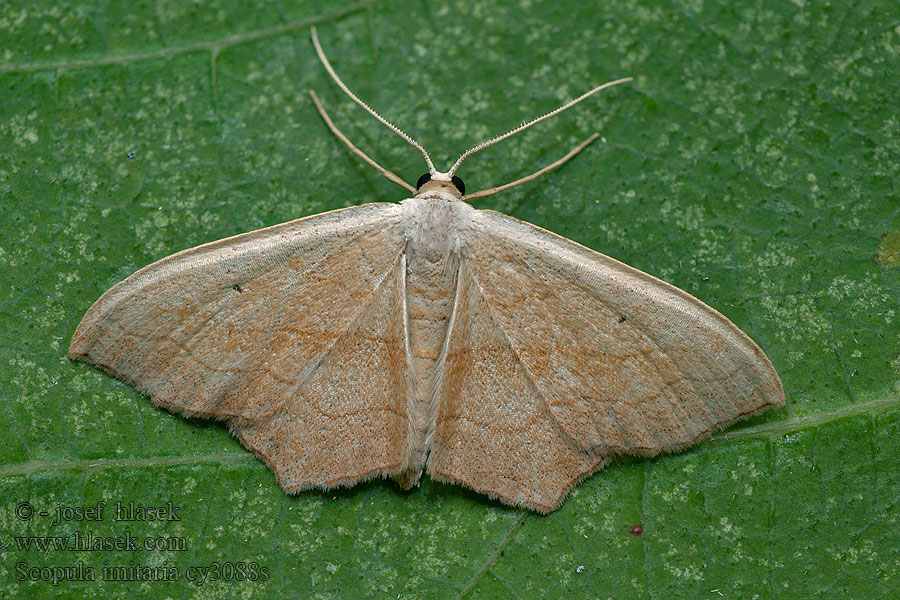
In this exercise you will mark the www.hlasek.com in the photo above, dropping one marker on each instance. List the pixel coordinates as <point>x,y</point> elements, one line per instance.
<point>88,541</point>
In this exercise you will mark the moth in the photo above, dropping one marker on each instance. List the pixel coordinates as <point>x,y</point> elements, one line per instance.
<point>391,340</point>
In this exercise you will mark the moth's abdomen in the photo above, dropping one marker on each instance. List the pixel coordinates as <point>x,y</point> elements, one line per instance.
<point>430,290</point>
<point>432,263</point>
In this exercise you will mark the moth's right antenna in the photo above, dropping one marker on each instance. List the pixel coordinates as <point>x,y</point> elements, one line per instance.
<point>525,126</point>
<point>353,96</point>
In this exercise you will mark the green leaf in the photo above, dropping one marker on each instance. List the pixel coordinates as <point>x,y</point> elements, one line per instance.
<point>753,162</point>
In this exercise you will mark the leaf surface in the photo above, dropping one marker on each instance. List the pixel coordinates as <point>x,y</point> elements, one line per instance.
<point>753,162</point>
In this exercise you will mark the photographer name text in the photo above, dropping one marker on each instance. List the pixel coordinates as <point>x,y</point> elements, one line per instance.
<point>121,511</point>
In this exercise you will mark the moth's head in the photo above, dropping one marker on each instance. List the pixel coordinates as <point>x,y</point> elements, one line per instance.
<point>440,184</point>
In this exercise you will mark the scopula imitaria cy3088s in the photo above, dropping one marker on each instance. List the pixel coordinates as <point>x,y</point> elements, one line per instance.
<point>388,340</point>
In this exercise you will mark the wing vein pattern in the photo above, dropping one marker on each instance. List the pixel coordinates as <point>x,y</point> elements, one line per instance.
<point>293,334</point>
<point>562,357</point>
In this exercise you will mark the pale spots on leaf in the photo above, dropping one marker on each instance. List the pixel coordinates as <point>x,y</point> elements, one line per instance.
<point>778,253</point>
<point>21,129</point>
<point>864,296</point>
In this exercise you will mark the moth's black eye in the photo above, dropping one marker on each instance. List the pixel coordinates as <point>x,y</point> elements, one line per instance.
<point>459,184</point>
<point>423,180</point>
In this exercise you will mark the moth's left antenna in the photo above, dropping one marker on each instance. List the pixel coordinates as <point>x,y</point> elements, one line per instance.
<point>337,132</point>
<point>384,121</point>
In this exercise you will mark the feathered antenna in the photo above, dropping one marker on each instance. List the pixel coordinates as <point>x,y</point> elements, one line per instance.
<point>525,126</point>
<point>435,174</point>
<point>353,96</point>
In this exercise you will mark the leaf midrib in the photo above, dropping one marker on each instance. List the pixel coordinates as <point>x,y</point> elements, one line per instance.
<point>214,45</point>
<point>776,429</point>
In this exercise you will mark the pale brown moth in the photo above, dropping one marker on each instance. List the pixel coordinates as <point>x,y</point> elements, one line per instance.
<point>388,340</point>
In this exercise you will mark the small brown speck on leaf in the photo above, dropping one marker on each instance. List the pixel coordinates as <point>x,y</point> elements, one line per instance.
<point>636,530</point>
<point>888,253</point>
